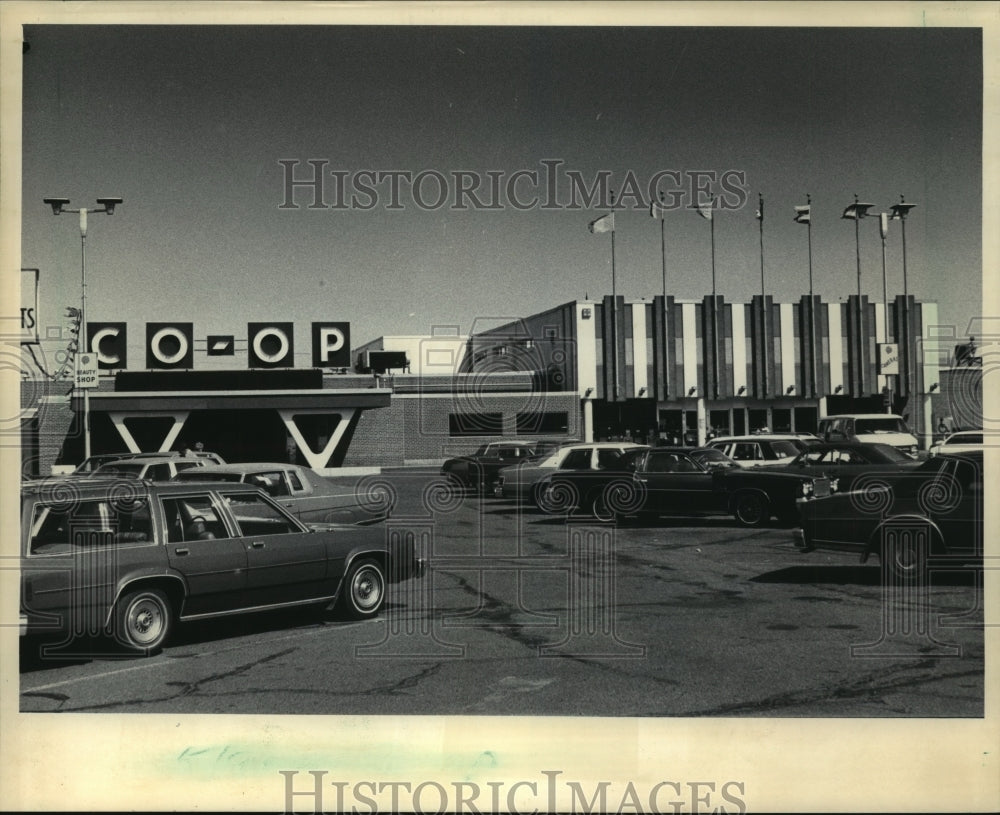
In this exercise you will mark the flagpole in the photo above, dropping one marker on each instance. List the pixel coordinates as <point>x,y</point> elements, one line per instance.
<point>663,251</point>
<point>760,220</point>
<point>812,301</point>
<point>614,308</point>
<point>763,290</point>
<point>711,224</point>
<point>715,316</point>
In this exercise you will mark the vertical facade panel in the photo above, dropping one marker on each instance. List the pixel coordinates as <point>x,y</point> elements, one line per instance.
<point>787,331</point>
<point>586,349</point>
<point>640,382</point>
<point>739,334</point>
<point>689,377</point>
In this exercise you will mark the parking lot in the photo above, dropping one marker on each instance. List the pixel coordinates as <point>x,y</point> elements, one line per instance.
<point>522,613</point>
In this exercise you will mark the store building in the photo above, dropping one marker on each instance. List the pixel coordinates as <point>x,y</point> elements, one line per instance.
<point>663,368</point>
<point>584,370</point>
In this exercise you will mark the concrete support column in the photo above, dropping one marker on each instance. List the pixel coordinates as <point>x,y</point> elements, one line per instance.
<point>926,432</point>
<point>702,422</point>
<point>588,420</point>
<point>822,407</point>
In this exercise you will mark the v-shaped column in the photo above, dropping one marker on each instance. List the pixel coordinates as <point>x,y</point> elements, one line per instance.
<point>118,419</point>
<point>317,460</point>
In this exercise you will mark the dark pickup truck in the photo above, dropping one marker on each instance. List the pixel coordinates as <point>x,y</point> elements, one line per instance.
<point>683,481</point>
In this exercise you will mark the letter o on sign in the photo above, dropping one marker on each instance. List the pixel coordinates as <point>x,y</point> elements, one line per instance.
<point>265,356</point>
<point>271,345</point>
<point>169,345</point>
<point>157,350</point>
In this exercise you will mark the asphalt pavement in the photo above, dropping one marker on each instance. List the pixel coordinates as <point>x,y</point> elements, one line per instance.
<point>526,614</point>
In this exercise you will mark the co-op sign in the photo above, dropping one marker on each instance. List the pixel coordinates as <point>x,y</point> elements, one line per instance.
<point>269,345</point>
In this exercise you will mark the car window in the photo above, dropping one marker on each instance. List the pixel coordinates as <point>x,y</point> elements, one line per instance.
<point>969,438</point>
<point>746,451</point>
<point>669,463</point>
<point>609,459</point>
<point>879,425</point>
<point>273,482</point>
<point>192,518</point>
<point>56,528</point>
<point>255,516</point>
<point>187,465</point>
<point>785,449</point>
<point>293,478</point>
<point>158,472</point>
<point>576,460</point>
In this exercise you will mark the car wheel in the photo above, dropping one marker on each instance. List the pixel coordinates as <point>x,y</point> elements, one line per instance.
<point>904,557</point>
<point>601,510</point>
<point>363,592</point>
<point>143,620</point>
<point>750,509</point>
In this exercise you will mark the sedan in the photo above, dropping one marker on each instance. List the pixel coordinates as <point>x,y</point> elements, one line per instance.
<point>848,460</point>
<point>135,562</point>
<point>478,471</point>
<point>930,515</point>
<point>964,441</point>
<point>152,468</point>
<point>760,450</point>
<point>529,479</point>
<point>305,493</point>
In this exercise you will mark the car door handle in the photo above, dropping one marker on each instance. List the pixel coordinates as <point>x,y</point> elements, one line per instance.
<point>257,545</point>
<point>182,551</point>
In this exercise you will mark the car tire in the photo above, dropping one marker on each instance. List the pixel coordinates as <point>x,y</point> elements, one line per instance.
<point>751,509</point>
<point>143,620</point>
<point>363,592</point>
<point>601,511</point>
<point>904,562</point>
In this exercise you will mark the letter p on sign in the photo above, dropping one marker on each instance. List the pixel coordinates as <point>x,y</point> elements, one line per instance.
<point>331,345</point>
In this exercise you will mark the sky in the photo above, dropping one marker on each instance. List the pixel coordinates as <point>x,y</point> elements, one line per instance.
<point>190,126</point>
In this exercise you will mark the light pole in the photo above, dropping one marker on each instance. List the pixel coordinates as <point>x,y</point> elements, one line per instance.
<point>59,206</point>
<point>899,213</point>
<point>883,229</point>
<point>856,212</point>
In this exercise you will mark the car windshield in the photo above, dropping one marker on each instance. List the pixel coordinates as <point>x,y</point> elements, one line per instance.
<point>890,453</point>
<point>121,467</point>
<point>713,458</point>
<point>199,474</point>
<point>889,424</point>
<point>785,449</point>
<point>966,438</point>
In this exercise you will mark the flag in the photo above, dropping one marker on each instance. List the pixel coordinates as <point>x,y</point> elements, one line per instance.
<point>803,214</point>
<point>856,210</point>
<point>606,223</point>
<point>656,209</point>
<point>705,210</point>
<point>760,209</point>
<point>883,224</point>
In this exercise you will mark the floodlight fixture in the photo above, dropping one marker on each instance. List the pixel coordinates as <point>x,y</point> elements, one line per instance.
<point>57,204</point>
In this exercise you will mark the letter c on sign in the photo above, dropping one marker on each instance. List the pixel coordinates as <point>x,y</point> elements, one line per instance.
<point>330,339</point>
<point>258,345</point>
<point>182,343</point>
<point>95,344</point>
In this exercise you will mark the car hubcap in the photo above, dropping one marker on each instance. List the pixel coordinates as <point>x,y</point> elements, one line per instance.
<point>145,622</point>
<point>367,589</point>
